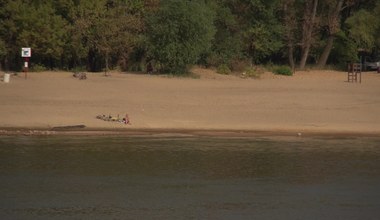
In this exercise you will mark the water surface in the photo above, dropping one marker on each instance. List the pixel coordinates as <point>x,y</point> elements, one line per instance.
<point>189,178</point>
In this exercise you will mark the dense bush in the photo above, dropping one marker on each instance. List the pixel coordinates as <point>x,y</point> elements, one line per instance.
<point>37,68</point>
<point>179,33</point>
<point>223,69</point>
<point>253,72</point>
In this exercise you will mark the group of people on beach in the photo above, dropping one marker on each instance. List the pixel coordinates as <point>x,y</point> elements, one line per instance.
<point>111,118</point>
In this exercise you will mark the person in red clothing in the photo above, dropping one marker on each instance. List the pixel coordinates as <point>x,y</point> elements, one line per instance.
<point>126,120</point>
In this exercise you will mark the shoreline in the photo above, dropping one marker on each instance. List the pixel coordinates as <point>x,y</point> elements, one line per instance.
<point>176,132</point>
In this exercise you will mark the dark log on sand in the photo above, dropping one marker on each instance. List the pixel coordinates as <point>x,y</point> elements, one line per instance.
<point>69,127</point>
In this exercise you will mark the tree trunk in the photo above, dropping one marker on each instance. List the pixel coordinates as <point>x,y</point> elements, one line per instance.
<point>334,26</point>
<point>290,25</point>
<point>291,58</point>
<point>326,52</point>
<point>305,55</point>
<point>308,27</point>
<point>106,69</point>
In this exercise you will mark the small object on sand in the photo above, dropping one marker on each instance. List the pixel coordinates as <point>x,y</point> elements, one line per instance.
<point>100,117</point>
<point>80,75</point>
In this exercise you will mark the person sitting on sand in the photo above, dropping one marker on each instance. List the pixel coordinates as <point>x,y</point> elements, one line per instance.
<point>126,120</point>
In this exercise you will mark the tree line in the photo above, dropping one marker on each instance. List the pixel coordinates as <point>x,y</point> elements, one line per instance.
<point>171,35</point>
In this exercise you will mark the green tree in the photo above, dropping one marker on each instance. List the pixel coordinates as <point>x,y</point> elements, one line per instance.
<point>24,24</point>
<point>308,29</point>
<point>179,33</point>
<point>227,43</point>
<point>334,8</point>
<point>345,50</point>
<point>260,27</point>
<point>322,29</point>
<point>3,48</point>
<point>105,29</point>
<point>3,52</point>
<point>290,28</point>
<point>364,28</point>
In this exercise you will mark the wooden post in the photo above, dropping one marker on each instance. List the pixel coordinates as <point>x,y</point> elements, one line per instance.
<point>26,53</point>
<point>26,66</point>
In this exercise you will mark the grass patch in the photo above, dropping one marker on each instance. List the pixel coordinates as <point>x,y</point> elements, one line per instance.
<point>282,70</point>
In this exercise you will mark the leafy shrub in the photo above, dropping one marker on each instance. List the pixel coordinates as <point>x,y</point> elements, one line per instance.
<point>253,72</point>
<point>283,70</point>
<point>213,60</point>
<point>79,69</point>
<point>239,65</point>
<point>223,69</point>
<point>37,68</point>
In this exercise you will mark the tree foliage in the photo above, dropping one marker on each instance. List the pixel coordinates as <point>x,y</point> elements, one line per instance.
<point>173,34</point>
<point>33,25</point>
<point>179,33</point>
<point>364,28</point>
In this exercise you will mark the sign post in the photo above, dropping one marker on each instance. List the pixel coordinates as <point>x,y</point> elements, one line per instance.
<point>26,53</point>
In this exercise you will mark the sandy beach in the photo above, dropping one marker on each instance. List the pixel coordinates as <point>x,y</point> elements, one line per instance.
<point>308,102</point>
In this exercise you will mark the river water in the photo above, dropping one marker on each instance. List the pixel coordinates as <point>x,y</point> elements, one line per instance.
<point>185,177</point>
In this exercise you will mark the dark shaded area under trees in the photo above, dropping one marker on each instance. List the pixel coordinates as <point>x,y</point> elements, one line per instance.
<point>171,35</point>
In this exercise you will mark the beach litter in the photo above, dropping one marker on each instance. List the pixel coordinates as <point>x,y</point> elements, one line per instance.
<point>7,77</point>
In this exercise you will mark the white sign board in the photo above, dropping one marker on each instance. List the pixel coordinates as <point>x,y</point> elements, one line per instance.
<point>26,52</point>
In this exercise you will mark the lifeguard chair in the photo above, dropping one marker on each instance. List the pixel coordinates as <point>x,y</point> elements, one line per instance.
<point>354,72</point>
